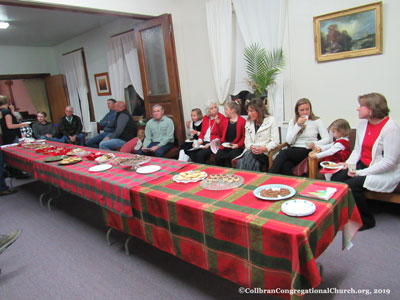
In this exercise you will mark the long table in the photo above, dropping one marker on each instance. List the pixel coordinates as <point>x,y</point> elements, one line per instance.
<point>230,232</point>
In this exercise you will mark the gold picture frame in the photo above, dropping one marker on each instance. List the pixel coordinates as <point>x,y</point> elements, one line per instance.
<point>349,33</point>
<point>102,84</point>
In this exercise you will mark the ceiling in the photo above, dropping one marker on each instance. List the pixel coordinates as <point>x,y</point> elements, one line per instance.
<point>46,27</point>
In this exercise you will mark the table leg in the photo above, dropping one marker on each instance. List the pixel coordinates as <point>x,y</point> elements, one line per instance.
<point>45,194</point>
<point>108,236</point>
<point>57,195</point>
<point>128,239</point>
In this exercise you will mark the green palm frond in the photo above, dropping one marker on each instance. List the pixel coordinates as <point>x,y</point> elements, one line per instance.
<point>262,66</point>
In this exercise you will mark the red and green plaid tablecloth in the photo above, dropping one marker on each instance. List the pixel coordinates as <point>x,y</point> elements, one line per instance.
<point>109,189</point>
<point>234,234</point>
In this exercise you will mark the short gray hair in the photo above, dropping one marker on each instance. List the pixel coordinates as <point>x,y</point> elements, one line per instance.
<point>208,106</point>
<point>157,105</point>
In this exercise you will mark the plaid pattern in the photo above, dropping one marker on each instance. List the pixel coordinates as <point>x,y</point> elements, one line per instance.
<point>110,189</point>
<point>234,234</point>
<point>26,131</point>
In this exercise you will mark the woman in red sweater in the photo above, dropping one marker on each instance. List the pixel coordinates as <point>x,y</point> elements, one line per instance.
<point>232,142</point>
<point>210,130</point>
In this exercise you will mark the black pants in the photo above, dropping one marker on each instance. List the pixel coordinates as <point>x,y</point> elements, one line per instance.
<point>224,156</point>
<point>356,186</point>
<point>200,156</point>
<point>287,159</point>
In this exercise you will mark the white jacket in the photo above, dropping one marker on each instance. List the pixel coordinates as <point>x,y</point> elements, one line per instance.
<point>313,128</point>
<point>266,136</point>
<point>383,173</point>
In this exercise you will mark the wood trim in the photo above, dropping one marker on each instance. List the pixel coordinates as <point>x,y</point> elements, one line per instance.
<point>69,8</point>
<point>91,107</point>
<point>130,30</point>
<point>24,76</point>
<point>72,51</point>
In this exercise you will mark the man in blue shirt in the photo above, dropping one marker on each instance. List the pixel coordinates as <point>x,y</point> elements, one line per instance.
<point>108,122</point>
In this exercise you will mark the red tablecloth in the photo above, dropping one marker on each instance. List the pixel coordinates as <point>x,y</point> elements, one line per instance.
<point>109,189</point>
<point>234,234</point>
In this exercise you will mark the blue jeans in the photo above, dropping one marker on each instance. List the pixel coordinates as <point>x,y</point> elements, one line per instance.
<point>94,142</point>
<point>112,144</point>
<point>159,152</point>
<point>80,137</point>
<point>3,185</point>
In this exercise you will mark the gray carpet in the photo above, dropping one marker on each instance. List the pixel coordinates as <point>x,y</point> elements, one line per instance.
<point>63,255</point>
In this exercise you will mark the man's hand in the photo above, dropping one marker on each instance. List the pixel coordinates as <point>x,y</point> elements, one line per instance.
<point>49,135</point>
<point>106,138</point>
<point>145,150</point>
<point>72,138</point>
<point>154,148</point>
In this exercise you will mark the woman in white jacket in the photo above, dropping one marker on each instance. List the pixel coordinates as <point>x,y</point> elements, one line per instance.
<point>302,136</point>
<point>261,136</point>
<point>376,155</point>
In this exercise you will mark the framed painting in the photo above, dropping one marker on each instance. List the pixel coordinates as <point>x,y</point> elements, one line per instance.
<point>349,33</point>
<point>102,84</point>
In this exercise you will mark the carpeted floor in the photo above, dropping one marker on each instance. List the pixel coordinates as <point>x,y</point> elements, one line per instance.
<point>63,254</point>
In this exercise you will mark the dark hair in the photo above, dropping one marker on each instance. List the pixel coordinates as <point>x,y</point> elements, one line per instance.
<point>198,112</point>
<point>341,125</point>
<point>234,105</point>
<point>43,113</point>
<point>301,102</point>
<point>376,103</point>
<point>258,105</point>
<point>112,100</point>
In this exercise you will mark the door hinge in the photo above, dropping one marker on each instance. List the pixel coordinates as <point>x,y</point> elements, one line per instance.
<point>170,28</point>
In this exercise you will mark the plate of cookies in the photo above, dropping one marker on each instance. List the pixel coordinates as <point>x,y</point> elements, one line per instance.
<point>70,160</point>
<point>218,182</point>
<point>190,176</point>
<point>274,192</point>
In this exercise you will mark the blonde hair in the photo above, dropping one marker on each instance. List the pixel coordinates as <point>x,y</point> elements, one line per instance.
<point>198,112</point>
<point>233,105</point>
<point>342,126</point>
<point>3,99</point>
<point>376,103</point>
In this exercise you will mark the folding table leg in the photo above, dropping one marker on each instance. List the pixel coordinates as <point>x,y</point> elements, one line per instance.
<point>108,236</point>
<point>57,195</point>
<point>128,239</point>
<point>45,194</point>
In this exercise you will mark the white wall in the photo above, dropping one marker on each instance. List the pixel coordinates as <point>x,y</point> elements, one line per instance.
<point>95,47</point>
<point>333,86</point>
<point>27,60</point>
<point>190,31</point>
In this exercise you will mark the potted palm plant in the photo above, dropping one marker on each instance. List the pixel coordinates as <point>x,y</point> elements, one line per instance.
<point>262,67</point>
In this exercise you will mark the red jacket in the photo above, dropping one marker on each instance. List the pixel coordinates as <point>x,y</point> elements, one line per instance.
<point>216,132</point>
<point>239,132</point>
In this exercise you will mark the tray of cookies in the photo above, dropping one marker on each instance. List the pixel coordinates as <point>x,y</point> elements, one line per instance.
<point>190,176</point>
<point>218,182</point>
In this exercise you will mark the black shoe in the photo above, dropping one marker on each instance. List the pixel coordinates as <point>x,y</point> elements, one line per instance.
<point>7,192</point>
<point>366,227</point>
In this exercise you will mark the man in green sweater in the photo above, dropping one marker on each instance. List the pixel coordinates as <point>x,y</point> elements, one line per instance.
<point>159,133</point>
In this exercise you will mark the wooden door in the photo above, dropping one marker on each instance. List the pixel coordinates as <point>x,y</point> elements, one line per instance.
<point>57,95</point>
<point>159,70</point>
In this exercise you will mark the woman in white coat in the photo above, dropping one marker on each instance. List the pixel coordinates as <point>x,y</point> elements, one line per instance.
<point>261,136</point>
<point>374,163</point>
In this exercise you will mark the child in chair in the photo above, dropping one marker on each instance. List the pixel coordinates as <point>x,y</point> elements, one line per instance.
<point>339,150</point>
<point>194,128</point>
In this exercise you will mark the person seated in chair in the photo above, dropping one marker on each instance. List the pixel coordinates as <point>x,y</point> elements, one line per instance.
<point>43,129</point>
<point>71,128</point>
<point>107,122</point>
<point>125,129</point>
<point>159,133</point>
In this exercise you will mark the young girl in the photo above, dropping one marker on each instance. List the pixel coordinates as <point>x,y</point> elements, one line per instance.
<point>339,150</point>
<point>194,128</point>
<point>232,134</point>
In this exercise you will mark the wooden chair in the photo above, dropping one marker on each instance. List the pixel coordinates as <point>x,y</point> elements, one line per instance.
<point>174,151</point>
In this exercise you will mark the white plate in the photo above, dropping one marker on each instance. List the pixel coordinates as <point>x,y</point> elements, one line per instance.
<point>100,168</point>
<point>322,164</point>
<point>227,145</point>
<point>298,208</point>
<point>258,190</point>
<point>189,180</point>
<point>197,148</point>
<point>214,145</point>
<point>189,141</point>
<point>40,141</point>
<point>148,169</point>
<point>27,122</point>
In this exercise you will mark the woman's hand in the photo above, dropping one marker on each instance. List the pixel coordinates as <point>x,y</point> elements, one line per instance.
<point>188,124</point>
<point>256,150</point>
<point>351,173</point>
<point>317,149</point>
<point>193,132</point>
<point>23,124</point>
<point>217,119</point>
<point>311,145</point>
<point>301,120</point>
<point>313,155</point>
<point>207,146</point>
<point>235,146</point>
